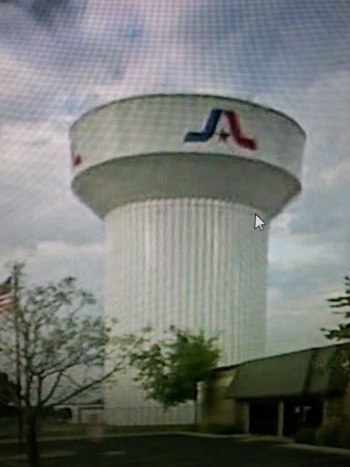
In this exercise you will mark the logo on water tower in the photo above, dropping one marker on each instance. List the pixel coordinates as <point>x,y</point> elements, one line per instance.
<point>233,130</point>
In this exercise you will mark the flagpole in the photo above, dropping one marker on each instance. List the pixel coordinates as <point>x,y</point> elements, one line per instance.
<point>15,289</point>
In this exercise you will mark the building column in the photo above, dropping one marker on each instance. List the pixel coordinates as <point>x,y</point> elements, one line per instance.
<point>325,411</point>
<point>280,422</point>
<point>246,410</point>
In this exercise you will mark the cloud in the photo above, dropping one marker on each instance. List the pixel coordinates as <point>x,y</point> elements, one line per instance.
<point>49,63</point>
<point>72,47</point>
<point>49,251</point>
<point>300,282</point>
<point>309,242</point>
<point>48,11</point>
<point>51,261</point>
<point>83,261</point>
<point>319,214</point>
<point>276,46</point>
<point>37,203</point>
<point>22,95</point>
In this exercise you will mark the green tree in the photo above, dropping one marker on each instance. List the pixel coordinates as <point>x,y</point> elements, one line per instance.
<point>169,369</point>
<point>53,347</point>
<point>342,332</point>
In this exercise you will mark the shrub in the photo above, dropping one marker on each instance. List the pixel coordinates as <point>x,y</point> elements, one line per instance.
<point>344,439</point>
<point>335,434</point>
<point>306,435</point>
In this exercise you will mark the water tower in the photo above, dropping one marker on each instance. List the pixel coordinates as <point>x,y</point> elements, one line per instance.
<point>178,180</point>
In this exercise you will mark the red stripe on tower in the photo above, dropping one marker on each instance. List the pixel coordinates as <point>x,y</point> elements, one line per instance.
<point>77,160</point>
<point>237,132</point>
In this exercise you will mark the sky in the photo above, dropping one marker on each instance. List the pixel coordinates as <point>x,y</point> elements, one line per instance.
<point>59,58</point>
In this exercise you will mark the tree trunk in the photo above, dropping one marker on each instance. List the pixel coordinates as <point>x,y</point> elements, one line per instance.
<point>20,429</point>
<point>195,405</point>
<point>31,438</point>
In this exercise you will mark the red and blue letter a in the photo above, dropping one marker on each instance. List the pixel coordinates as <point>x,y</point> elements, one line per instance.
<point>210,126</point>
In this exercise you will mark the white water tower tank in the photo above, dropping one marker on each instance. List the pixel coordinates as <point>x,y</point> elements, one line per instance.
<point>178,180</point>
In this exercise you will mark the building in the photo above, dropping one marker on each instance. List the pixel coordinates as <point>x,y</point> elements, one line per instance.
<point>178,181</point>
<point>278,395</point>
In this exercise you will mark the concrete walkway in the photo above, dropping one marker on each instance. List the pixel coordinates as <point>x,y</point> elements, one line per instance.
<point>325,449</point>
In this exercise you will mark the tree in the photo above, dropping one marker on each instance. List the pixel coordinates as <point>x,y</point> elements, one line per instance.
<point>170,369</point>
<point>53,347</point>
<point>342,332</point>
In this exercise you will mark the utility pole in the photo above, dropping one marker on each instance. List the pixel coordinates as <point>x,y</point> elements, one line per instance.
<point>16,272</point>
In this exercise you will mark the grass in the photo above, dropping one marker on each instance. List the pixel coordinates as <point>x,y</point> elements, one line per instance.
<point>9,431</point>
<point>47,430</point>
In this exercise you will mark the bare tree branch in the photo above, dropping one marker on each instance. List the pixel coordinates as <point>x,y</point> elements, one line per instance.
<point>89,386</point>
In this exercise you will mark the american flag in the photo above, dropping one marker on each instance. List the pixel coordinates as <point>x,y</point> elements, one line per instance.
<point>6,298</point>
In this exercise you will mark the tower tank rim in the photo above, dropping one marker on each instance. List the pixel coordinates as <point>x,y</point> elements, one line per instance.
<point>246,102</point>
<point>263,164</point>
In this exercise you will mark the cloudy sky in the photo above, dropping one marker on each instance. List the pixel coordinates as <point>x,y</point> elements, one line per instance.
<point>58,58</point>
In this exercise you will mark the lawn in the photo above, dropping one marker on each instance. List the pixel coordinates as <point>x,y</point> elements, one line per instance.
<point>9,430</point>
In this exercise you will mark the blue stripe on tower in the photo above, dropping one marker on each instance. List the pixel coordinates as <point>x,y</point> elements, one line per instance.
<point>208,131</point>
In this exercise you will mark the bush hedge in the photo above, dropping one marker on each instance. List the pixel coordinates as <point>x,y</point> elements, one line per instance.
<point>306,435</point>
<point>335,434</point>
